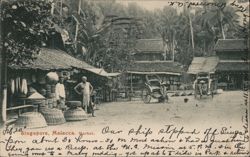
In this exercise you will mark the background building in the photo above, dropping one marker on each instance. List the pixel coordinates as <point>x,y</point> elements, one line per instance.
<point>233,67</point>
<point>149,50</point>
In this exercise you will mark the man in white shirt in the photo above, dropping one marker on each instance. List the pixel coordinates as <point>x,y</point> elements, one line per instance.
<point>60,94</point>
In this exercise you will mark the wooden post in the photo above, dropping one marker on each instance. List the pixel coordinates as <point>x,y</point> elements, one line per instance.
<point>173,45</point>
<point>131,87</point>
<point>3,80</point>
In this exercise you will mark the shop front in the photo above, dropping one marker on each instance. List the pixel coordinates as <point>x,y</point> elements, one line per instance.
<point>232,75</point>
<point>32,87</point>
<point>167,71</point>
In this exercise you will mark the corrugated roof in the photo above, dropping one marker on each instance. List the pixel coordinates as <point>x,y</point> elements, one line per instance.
<point>156,67</point>
<point>150,45</point>
<point>203,64</point>
<point>233,66</point>
<point>231,45</point>
<point>49,59</point>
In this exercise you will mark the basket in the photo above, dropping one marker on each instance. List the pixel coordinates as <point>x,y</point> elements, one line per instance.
<point>53,88</point>
<point>50,103</point>
<point>76,114</point>
<point>43,92</point>
<point>43,108</point>
<point>52,77</point>
<point>31,120</point>
<point>48,87</point>
<point>51,95</point>
<point>74,104</point>
<point>53,116</point>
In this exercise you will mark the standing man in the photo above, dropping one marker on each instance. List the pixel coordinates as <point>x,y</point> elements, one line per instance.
<point>60,94</point>
<point>85,88</point>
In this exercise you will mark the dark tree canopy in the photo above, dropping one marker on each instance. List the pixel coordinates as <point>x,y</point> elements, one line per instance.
<point>27,26</point>
<point>103,33</point>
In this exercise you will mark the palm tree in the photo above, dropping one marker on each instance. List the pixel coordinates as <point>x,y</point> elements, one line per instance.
<point>219,17</point>
<point>167,23</point>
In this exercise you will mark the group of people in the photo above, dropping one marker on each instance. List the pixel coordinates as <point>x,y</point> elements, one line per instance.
<point>84,88</point>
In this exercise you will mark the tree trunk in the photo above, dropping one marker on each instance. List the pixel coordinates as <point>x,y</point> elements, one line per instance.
<point>52,8</point>
<point>222,30</point>
<point>165,45</point>
<point>79,7</point>
<point>191,31</point>
<point>221,26</point>
<point>204,48</point>
<point>61,4</point>
<point>76,33</point>
<point>173,46</point>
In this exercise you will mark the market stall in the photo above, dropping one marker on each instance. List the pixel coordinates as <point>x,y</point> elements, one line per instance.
<point>169,72</point>
<point>32,86</point>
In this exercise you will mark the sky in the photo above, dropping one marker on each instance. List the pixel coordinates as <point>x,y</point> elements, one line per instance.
<point>159,4</point>
<point>147,4</point>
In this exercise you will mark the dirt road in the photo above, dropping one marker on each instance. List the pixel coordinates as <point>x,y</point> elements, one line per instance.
<point>187,129</point>
<point>226,109</point>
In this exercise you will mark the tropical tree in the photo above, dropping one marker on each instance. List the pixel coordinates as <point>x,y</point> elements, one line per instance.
<point>222,18</point>
<point>119,43</point>
<point>26,27</point>
<point>99,37</point>
<point>167,26</point>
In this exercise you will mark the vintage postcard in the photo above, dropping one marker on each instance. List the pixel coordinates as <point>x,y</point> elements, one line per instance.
<point>124,78</point>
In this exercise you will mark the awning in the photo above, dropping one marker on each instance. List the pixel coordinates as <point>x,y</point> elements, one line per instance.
<point>203,64</point>
<point>233,66</point>
<point>150,73</point>
<point>156,67</point>
<point>53,59</point>
<point>229,45</point>
<point>102,72</point>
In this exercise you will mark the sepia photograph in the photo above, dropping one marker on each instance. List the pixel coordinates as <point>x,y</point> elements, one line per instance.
<point>124,78</point>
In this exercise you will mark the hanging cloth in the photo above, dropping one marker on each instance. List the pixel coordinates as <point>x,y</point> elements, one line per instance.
<point>12,86</point>
<point>33,78</point>
<point>24,87</point>
<point>17,84</point>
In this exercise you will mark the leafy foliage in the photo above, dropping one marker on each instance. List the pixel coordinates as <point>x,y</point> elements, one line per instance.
<point>104,33</point>
<point>27,25</point>
<point>119,43</point>
<point>107,40</point>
